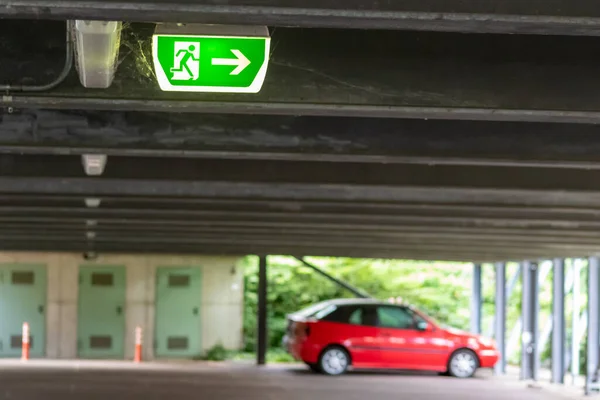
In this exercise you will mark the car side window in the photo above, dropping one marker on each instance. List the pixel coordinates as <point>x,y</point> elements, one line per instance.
<point>395,317</point>
<point>342,314</point>
<point>356,317</point>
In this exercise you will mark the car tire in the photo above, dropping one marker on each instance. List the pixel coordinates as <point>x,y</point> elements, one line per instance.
<point>334,361</point>
<point>314,367</point>
<point>463,364</point>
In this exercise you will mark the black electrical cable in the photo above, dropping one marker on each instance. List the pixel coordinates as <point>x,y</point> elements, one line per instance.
<point>59,79</point>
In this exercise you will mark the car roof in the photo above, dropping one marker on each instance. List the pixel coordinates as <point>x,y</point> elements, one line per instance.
<point>342,302</point>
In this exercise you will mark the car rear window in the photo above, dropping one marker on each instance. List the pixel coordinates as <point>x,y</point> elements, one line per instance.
<point>310,312</point>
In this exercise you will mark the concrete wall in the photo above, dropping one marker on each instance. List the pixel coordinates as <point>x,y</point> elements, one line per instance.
<point>221,305</point>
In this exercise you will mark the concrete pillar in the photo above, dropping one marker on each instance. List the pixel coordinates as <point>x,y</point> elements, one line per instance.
<point>558,322</point>
<point>500,318</point>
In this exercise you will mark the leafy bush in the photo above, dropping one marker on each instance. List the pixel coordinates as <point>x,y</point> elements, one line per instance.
<point>217,353</point>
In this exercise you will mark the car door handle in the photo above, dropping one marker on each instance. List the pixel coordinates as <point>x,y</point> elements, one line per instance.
<point>41,309</point>
<point>195,311</point>
<point>119,310</point>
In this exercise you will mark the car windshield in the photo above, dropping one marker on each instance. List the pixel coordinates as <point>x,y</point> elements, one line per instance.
<point>427,317</point>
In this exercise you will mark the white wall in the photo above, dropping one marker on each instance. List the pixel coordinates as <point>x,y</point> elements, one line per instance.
<point>221,306</point>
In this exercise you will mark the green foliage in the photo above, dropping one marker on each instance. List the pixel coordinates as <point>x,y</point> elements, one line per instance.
<point>217,353</point>
<point>273,356</point>
<point>279,356</point>
<point>440,289</point>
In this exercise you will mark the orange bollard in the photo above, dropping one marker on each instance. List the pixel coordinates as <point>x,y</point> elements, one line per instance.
<point>137,357</point>
<point>25,342</point>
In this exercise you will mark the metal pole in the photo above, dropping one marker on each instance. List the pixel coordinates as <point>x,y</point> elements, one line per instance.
<point>261,348</point>
<point>593,341</point>
<point>558,322</point>
<point>575,328</point>
<point>355,291</point>
<point>500,318</point>
<point>535,301</point>
<point>510,286</point>
<point>476,300</point>
<point>529,312</point>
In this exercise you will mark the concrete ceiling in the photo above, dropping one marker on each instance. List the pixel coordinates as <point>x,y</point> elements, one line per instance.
<point>454,190</point>
<point>362,143</point>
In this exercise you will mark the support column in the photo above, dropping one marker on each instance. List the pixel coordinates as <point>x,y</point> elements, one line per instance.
<point>476,300</point>
<point>575,343</point>
<point>529,303</point>
<point>261,346</point>
<point>558,322</point>
<point>500,318</point>
<point>593,342</point>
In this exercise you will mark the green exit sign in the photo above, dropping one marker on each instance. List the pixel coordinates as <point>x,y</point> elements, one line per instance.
<point>213,58</point>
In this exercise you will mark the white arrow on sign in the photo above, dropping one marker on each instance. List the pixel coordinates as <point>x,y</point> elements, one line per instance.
<point>240,61</point>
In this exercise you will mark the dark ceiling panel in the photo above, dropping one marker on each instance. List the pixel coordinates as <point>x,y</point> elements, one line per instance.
<point>576,17</point>
<point>357,73</point>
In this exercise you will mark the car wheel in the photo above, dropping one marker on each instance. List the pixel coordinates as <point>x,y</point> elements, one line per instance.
<point>314,367</point>
<point>463,364</point>
<point>334,361</point>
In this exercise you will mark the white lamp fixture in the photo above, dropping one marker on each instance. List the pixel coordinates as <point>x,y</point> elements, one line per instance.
<point>90,235</point>
<point>91,222</point>
<point>97,50</point>
<point>92,202</point>
<point>94,164</point>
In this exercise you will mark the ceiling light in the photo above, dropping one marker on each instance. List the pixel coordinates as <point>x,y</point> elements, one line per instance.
<point>97,50</point>
<point>93,164</point>
<point>92,202</point>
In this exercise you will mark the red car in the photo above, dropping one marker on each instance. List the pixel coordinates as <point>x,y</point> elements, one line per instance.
<point>334,335</point>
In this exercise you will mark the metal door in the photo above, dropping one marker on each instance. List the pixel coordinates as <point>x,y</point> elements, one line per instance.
<point>178,295</point>
<point>101,315</point>
<point>22,299</point>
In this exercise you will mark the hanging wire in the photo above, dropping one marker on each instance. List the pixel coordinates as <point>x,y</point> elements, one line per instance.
<point>59,79</point>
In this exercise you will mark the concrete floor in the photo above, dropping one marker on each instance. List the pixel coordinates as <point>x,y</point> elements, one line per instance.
<point>118,380</point>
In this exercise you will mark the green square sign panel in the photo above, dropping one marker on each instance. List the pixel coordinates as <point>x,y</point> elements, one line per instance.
<point>189,63</point>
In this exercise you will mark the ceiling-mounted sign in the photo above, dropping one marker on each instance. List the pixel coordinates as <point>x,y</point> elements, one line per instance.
<point>211,58</point>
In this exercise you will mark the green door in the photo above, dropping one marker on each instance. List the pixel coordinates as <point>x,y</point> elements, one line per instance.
<point>178,295</point>
<point>101,315</point>
<point>22,299</point>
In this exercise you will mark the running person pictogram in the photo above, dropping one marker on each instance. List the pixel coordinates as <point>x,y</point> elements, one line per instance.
<point>186,61</point>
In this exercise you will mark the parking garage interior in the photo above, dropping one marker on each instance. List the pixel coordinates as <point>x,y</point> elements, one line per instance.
<point>427,130</point>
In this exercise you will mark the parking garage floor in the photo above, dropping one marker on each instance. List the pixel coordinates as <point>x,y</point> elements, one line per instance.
<point>66,380</point>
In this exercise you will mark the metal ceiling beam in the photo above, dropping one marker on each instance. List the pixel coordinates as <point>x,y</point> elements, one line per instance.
<point>298,172</point>
<point>418,75</point>
<point>452,219</point>
<point>493,16</point>
<point>306,210</point>
<point>323,218</point>
<point>69,102</point>
<point>465,238</point>
<point>364,140</point>
<point>102,187</point>
<point>309,245</point>
<point>256,248</point>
